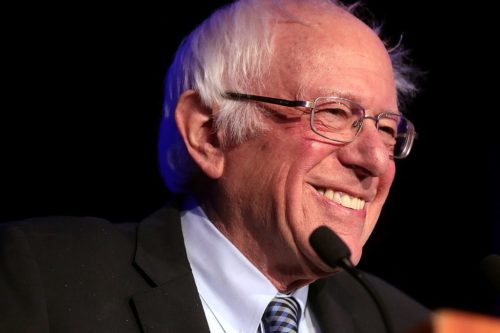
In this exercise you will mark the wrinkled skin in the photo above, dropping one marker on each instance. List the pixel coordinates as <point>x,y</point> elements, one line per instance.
<point>263,195</point>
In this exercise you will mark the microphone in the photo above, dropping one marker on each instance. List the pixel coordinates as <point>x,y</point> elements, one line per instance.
<point>490,267</point>
<point>333,251</point>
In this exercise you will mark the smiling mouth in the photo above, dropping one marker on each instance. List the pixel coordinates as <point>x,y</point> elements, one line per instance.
<point>342,199</point>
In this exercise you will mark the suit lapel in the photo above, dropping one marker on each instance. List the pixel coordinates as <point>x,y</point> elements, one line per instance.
<point>173,304</point>
<point>330,316</point>
<point>172,307</point>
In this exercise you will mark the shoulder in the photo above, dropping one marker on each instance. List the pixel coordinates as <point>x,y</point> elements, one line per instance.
<point>404,311</point>
<point>62,224</point>
<point>70,230</point>
<point>343,284</point>
<point>393,295</point>
<point>346,292</point>
<point>65,240</point>
<point>63,271</point>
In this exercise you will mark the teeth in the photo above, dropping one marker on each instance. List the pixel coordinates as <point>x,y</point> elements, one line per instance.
<point>343,199</point>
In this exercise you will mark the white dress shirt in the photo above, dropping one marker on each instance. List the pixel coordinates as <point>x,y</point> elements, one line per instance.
<point>234,293</point>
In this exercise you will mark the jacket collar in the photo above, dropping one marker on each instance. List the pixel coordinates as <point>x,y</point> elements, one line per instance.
<point>173,303</point>
<point>329,315</point>
<point>160,253</point>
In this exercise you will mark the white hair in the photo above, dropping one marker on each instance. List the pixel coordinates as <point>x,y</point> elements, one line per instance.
<point>231,50</point>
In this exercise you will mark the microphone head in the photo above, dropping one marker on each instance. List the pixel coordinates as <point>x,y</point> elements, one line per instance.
<point>329,247</point>
<point>490,267</point>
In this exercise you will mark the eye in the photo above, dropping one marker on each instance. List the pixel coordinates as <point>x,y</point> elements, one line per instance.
<point>388,125</point>
<point>334,113</point>
<point>392,132</point>
<point>358,123</point>
<point>332,118</point>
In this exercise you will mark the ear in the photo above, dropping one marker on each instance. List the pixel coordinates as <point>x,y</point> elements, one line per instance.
<point>195,123</point>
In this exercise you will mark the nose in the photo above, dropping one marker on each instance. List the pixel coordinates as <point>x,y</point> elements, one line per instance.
<point>368,153</point>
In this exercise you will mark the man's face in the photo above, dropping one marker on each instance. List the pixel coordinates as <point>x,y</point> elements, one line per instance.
<point>283,184</point>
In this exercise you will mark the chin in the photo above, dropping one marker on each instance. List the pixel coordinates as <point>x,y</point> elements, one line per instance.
<point>356,256</point>
<point>356,248</point>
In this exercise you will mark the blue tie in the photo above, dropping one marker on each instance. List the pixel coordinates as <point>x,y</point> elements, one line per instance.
<point>282,315</point>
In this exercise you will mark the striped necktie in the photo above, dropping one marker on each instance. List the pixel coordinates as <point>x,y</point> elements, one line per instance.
<point>282,315</point>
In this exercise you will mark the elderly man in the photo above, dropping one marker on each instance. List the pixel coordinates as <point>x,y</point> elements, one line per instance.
<point>281,117</point>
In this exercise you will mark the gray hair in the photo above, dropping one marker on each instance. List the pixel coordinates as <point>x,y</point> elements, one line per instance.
<point>232,50</point>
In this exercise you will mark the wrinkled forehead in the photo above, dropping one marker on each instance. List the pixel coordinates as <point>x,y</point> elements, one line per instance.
<point>324,41</point>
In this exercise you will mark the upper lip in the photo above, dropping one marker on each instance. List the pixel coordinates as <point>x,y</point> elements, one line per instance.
<point>364,196</point>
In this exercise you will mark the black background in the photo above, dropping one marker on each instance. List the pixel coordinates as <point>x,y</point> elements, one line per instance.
<point>82,101</point>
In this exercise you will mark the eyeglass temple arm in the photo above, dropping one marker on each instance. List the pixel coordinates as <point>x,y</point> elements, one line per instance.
<point>284,102</point>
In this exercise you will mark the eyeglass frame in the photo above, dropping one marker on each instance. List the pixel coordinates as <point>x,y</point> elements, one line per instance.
<point>311,105</point>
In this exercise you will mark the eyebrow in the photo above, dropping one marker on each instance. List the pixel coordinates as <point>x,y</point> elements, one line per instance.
<point>326,92</point>
<point>338,93</point>
<point>350,96</point>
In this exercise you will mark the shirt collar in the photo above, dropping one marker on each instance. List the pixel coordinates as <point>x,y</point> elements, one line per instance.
<point>236,292</point>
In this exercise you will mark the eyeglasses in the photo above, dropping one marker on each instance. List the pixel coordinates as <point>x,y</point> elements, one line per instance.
<point>341,120</point>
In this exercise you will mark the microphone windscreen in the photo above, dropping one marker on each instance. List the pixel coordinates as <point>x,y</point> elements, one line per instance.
<point>490,266</point>
<point>329,247</point>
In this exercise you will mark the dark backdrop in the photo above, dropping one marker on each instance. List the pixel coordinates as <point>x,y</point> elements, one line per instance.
<point>82,100</point>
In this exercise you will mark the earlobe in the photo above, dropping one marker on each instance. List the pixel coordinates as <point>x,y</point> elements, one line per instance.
<point>195,123</point>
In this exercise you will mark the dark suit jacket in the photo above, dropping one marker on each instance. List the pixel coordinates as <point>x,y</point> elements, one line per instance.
<point>67,274</point>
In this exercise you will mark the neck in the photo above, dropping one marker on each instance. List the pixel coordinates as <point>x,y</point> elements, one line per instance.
<point>272,256</point>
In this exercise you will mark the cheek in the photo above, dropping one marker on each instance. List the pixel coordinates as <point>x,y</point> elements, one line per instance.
<point>384,185</point>
<point>311,153</point>
<point>307,145</point>
<point>300,210</point>
<point>386,180</point>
